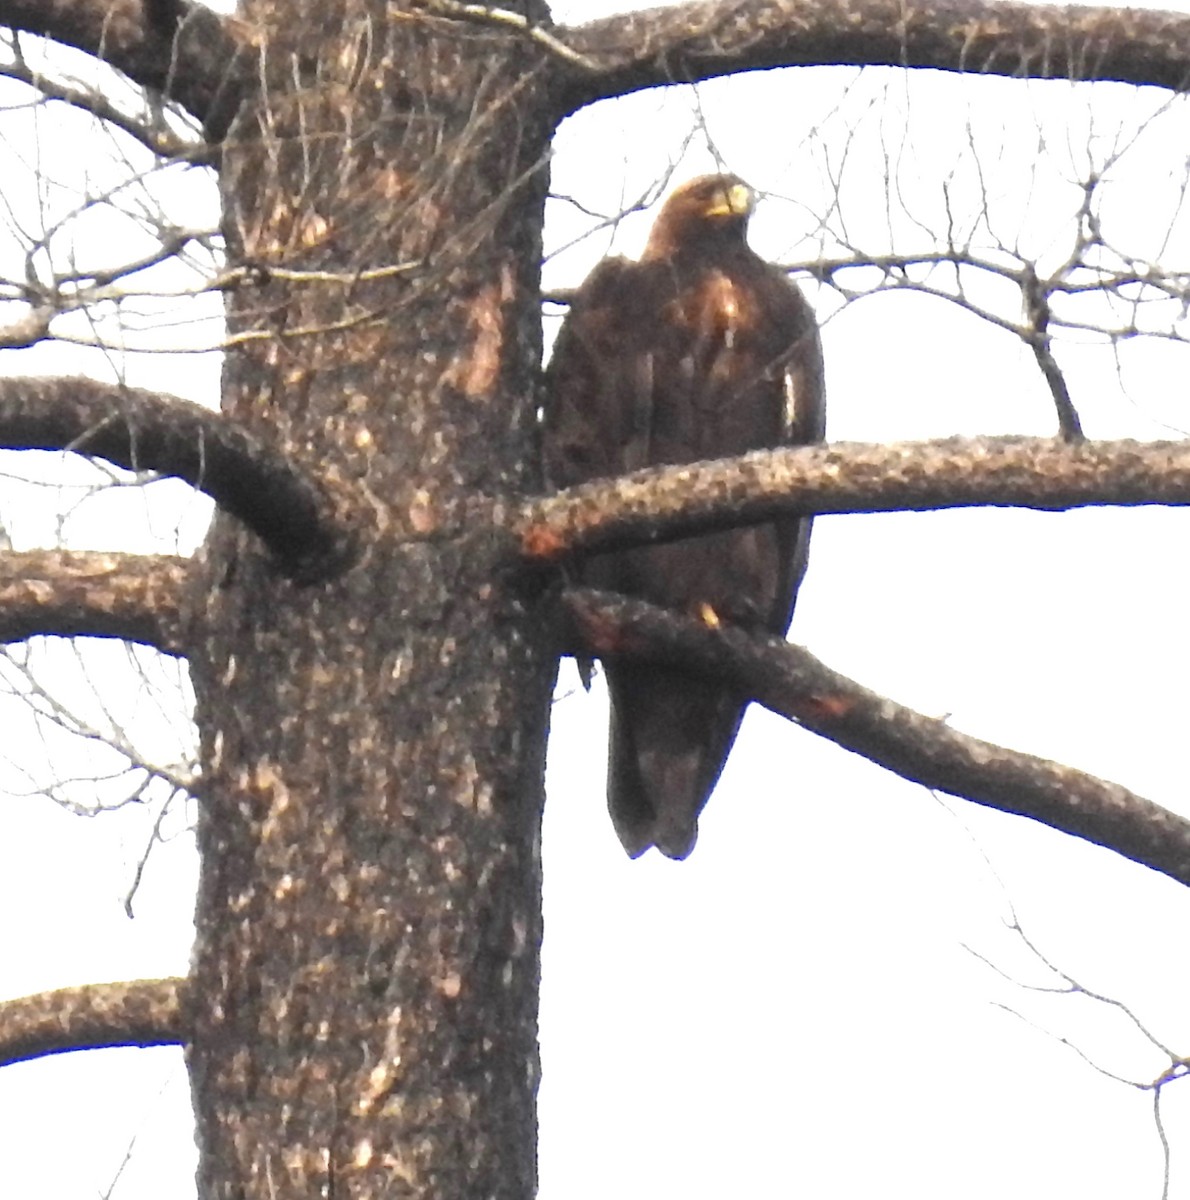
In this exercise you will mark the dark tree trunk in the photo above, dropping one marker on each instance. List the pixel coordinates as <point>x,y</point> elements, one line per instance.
<point>366,965</point>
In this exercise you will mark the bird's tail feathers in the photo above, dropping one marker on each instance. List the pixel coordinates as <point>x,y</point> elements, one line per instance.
<point>670,736</point>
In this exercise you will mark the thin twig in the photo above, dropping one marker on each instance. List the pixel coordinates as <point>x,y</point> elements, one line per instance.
<point>484,14</point>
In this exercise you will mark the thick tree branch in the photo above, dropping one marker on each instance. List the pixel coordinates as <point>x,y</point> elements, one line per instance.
<point>146,431</point>
<point>147,1012</point>
<point>792,682</point>
<point>851,477</point>
<point>139,598</point>
<point>196,62</point>
<point>690,42</point>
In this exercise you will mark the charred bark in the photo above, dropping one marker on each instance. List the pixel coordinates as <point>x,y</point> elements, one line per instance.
<point>687,43</point>
<point>789,680</point>
<point>247,476</point>
<point>149,1012</point>
<point>369,913</point>
<point>139,598</point>
<point>663,503</point>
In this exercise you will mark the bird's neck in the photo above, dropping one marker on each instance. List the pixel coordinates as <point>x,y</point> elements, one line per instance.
<point>718,246</point>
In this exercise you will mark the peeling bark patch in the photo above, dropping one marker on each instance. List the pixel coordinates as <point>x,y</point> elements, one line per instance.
<point>540,541</point>
<point>476,374</point>
<point>267,784</point>
<point>450,985</point>
<point>825,708</point>
<point>423,518</point>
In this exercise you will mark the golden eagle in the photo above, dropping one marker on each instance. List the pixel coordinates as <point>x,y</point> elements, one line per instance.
<point>699,350</point>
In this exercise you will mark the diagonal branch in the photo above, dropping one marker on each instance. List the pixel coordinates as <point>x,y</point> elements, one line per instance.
<point>156,137</point>
<point>694,41</point>
<point>196,63</point>
<point>851,477</point>
<point>146,431</point>
<point>147,1012</point>
<point>792,682</point>
<point>61,593</point>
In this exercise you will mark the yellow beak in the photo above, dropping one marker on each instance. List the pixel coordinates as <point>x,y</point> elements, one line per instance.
<point>734,201</point>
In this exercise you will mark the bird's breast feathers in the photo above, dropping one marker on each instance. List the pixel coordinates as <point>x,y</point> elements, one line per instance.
<point>712,304</point>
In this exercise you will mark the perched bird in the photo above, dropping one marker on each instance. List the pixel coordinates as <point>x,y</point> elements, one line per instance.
<point>700,350</point>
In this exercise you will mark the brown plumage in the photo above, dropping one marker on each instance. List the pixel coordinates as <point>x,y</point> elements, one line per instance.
<point>699,350</point>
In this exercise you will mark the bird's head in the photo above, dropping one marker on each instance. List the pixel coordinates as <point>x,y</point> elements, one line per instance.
<point>709,207</point>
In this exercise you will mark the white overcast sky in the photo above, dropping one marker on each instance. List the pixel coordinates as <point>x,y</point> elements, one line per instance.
<point>800,1008</point>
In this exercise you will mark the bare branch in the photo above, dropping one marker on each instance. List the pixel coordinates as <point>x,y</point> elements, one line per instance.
<point>146,431</point>
<point>691,42</point>
<point>852,477</point>
<point>197,65</point>
<point>155,839</point>
<point>133,773</point>
<point>1037,313</point>
<point>792,682</point>
<point>158,138</point>
<point>147,1012</point>
<point>485,14</point>
<point>140,598</point>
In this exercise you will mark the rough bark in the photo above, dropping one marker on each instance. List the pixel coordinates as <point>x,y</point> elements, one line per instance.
<point>140,598</point>
<point>247,476</point>
<point>686,43</point>
<point>149,1012</point>
<point>1007,472</point>
<point>368,913</point>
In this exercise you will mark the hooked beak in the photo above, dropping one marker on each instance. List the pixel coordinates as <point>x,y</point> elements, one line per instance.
<point>735,201</point>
